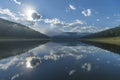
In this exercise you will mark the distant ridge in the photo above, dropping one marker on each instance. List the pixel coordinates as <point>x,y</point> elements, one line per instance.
<point>70,35</point>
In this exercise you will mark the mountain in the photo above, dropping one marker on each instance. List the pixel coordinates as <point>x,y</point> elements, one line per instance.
<point>12,30</point>
<point>114,32</point>
<point>70,35</point>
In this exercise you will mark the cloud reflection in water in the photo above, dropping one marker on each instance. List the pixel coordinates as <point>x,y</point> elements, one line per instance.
<point>53,52</point>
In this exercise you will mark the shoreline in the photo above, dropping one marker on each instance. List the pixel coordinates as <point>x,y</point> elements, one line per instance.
<point>4,40</point>
<point>109,40</point>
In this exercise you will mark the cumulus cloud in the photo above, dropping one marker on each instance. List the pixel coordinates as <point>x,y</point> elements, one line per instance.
<point>58,22</point>
<point>75,23</point>
<point>86,12</point>
<point>54,21</point>
<point>17,2</point>
<point>9,15</point>
<point>72,7</point>
<point>19,17</point>
<point>57,26</point>
<point>75,26</point>
<point>7,12</point>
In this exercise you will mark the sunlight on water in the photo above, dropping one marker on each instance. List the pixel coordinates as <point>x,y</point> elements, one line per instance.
<point>28,63</point>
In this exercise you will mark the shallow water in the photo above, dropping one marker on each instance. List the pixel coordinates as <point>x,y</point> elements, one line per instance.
<point>57,60</point>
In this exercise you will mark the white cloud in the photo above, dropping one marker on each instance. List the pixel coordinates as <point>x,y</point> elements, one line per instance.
<point>87,12</point>
<point>9,15</point>
<point>19,17</point>
<point>54,25</point>
<point>54,21</point>
<point>75,23</point>
<point>72,7</point>
<point>17,2</point>
<point>57,22</point>
<point>7,12</point>
<point>58,26</point>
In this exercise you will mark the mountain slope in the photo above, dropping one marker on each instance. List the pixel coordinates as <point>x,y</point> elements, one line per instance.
<point>114,32</point>
<point>12,30</point>
<point>110,36</point>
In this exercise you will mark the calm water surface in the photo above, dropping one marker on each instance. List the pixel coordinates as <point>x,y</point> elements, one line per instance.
<point>66,60</point>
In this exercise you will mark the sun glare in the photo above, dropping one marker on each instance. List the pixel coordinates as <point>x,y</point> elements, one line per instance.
<point>28,13</point>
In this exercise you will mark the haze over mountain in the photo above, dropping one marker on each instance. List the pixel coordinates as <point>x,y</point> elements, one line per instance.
<point>12,30</point>
<point>70,35</point>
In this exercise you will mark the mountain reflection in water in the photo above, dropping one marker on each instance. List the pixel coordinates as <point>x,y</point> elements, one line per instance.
<point>12,48</point>
<point>109,47</point>
<point>60,61</point>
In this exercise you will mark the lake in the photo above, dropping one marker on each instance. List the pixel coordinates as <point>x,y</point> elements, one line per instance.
<point>59,60</point>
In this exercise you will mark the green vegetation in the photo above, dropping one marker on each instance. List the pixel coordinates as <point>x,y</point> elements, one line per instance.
<point>110,40</point>
<point>110,36</point>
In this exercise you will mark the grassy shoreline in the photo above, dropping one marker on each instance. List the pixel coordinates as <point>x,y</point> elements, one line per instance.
<point>109,40</point>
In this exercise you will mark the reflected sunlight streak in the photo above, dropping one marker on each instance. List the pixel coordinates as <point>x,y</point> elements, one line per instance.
<point>28,63</point>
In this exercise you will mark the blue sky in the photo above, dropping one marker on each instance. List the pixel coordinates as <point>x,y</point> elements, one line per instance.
<point>56,16</point>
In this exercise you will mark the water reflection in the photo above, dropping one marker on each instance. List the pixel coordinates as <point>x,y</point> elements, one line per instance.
<point>109,47</point>
<point>62,61</point>
<point>32,62</point>
<point>14,48</point>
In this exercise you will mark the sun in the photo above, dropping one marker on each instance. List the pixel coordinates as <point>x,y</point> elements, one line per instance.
<point>28,13</point>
